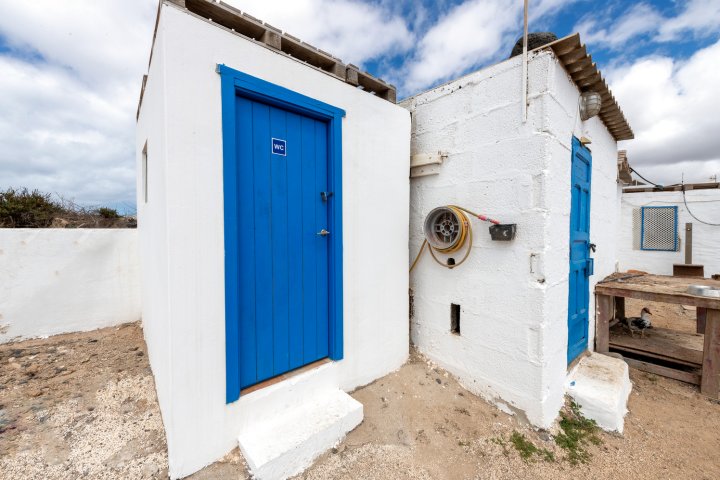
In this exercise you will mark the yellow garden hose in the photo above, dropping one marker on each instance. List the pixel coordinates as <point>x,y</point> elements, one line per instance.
<point>464,235</point>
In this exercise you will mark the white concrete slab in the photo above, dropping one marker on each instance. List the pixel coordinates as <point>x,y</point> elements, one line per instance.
<point>277,448</point>
<point>601,386</point>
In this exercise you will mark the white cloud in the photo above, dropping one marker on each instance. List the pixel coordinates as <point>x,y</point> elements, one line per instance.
<point>71,80</point>
<point>639,20</point>
<point>697,19</point>
<point>473,33</point>
<point>59,136</point>
<point>701,17</point>
<point>351,30</point>
<point>70,88</point>
<point>673,108</point>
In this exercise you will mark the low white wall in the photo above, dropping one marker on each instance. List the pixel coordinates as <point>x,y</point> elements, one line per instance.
<point>66,280</point>
<point>704,204</point>
<point>182,246</point>
<point>513,295</point>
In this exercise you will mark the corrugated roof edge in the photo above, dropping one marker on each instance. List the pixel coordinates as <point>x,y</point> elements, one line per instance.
<point>223,15</point>
<point>578,64</point>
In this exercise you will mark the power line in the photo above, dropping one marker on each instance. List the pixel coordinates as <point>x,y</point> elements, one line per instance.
<point>651,183</point>
<point>690,212</point>
<point>683,194</point>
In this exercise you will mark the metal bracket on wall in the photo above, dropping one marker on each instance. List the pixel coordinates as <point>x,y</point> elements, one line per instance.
<point>424,164</point>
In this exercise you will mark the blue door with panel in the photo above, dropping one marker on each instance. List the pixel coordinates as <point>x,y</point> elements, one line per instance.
<point>581,265</point>
<point>282,215</point>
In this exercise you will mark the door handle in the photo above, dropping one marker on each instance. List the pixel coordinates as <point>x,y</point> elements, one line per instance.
<point>323,233</point>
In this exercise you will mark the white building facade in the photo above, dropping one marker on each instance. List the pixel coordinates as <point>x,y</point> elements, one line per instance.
<point>704,204</point>
<point>208,91</point>
<point>513,296</point>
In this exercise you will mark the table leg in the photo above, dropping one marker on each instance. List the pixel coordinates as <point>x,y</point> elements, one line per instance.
<point>701,315</point>
<point>619,307</point>
<point>605,313</point>
<point>710,383</point>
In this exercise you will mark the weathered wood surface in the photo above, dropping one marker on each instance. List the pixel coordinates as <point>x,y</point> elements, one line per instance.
<point>662,344</point>
<point>658,288</point>
<point>662,288</point>
<point>692,377</point>
<point>710,384</point>
<point>619,307</point>
<point>602,325</point>
<point>701,316</point>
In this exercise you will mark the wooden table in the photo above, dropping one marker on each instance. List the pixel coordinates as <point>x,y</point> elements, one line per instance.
<point>611,293</point>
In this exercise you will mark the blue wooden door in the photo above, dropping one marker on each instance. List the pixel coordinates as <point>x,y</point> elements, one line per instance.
<point>283,293</point>
<point>581,265</point>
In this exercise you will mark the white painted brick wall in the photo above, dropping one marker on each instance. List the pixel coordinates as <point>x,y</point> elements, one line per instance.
<point>514,321</point>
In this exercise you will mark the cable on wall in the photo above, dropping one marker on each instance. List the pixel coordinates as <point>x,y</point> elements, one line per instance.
<point>682,188</point>
<point>690,211</point>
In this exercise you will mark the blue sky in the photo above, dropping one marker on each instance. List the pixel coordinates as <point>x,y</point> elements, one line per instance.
<point>70,73</point>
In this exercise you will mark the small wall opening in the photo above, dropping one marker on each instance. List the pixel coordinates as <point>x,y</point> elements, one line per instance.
<point>455,319</point>
<point>451,261</point>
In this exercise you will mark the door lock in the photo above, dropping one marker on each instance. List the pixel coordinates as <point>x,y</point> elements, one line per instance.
<point>325,195</point>
<point>323,233</point>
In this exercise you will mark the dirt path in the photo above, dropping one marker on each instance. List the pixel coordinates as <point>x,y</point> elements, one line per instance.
<point>84,406</point>
<point>415,427</point>
<point>80,406</point>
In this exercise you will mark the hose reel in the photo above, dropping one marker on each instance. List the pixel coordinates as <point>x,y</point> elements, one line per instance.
<point>447,230</point>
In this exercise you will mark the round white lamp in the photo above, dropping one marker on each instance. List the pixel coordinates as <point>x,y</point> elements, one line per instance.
<point>590,105</point>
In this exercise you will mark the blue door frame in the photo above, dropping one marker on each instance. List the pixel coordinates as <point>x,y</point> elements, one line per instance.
<point>236,84</point>
<point>581,265</point>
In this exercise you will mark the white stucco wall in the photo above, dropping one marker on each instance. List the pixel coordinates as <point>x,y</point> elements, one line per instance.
<point>181,231</point>
<point>704,204</point>
<point>513,295</point>
<point>56,280</point>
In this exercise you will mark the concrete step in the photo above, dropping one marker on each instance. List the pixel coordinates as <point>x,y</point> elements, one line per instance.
<point>286,444</point>
<point>600,384</point>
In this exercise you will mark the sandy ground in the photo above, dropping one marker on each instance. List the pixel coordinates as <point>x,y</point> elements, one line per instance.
<point>89,411</point>
<point>80,406</point>
<point>421,424</point>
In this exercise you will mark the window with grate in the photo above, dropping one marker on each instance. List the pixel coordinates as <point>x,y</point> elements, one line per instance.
<point>658,228</point>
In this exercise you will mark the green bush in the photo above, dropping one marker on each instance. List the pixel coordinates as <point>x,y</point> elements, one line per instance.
<point>27,209</point>
<point>108,212</point>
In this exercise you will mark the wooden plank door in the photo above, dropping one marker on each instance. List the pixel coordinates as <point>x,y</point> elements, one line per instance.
<point>580,261</point>
<point>283,295</point>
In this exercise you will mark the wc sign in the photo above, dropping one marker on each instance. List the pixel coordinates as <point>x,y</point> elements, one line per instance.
<point>279,147</point>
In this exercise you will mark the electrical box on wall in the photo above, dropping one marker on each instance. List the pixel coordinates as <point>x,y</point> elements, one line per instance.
<point>503,232</point>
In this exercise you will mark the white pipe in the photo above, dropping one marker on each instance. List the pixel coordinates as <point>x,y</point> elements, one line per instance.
<point>525,65</point>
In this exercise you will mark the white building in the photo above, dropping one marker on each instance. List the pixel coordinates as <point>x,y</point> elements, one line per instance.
<point>524,313</point>
<point>273,280</point>
<point>664,240</point>
<point>252,147</point>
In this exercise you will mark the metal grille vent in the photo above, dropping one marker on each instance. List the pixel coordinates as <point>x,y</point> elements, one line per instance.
<point>659,228</point>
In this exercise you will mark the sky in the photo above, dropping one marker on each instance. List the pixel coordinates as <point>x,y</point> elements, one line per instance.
<point>70,74</point>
